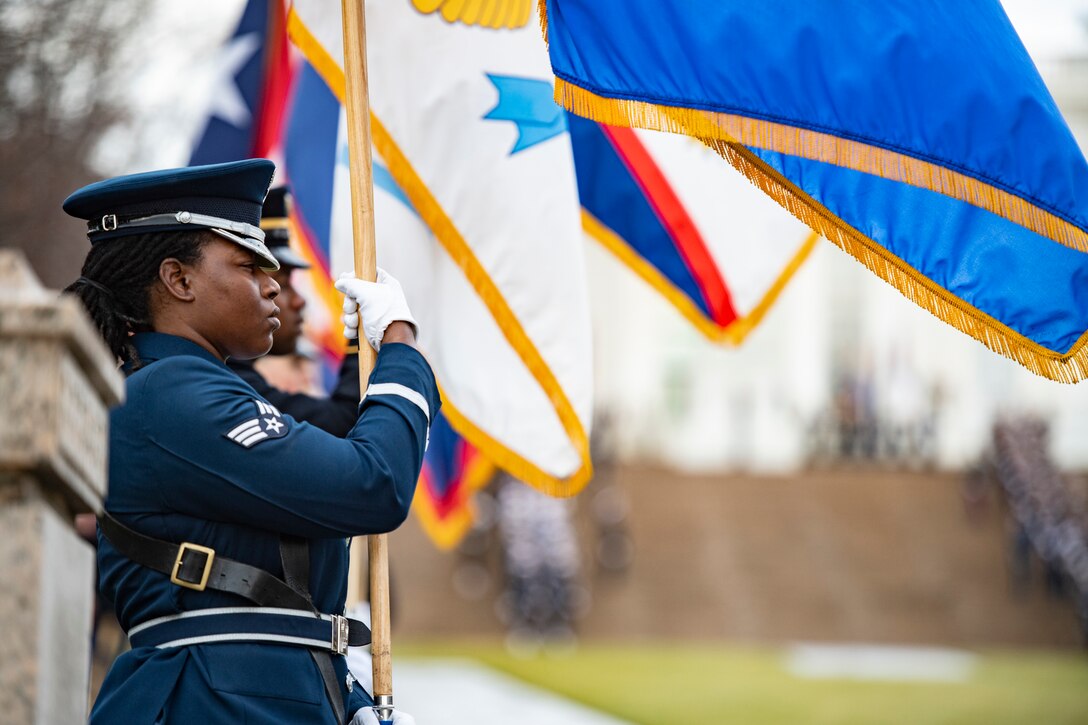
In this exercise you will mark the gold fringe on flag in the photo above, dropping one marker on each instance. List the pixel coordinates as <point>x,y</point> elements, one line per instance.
<point>717,131</point>
<point>542,16</point>
<point>825,148</point>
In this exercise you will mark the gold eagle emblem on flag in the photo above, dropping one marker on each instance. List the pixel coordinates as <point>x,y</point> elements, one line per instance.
<point>485,13</point>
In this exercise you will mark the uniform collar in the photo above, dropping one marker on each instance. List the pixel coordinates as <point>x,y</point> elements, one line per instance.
<point>158,346</point>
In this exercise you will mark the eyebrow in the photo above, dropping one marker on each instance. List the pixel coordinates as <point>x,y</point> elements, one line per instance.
<point>244,255</point>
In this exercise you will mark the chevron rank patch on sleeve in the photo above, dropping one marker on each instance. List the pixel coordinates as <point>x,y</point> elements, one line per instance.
<point>268,424</point>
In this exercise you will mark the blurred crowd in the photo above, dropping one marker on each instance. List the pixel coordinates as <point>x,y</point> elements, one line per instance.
<point>1047,518</point>
<point>895,422</point>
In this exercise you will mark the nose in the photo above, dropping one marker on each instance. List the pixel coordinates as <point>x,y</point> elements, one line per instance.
<point>271,287</point>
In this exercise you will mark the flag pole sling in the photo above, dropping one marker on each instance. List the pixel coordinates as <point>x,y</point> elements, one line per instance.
<point>362,217</point>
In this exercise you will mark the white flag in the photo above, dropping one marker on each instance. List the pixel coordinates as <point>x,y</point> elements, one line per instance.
<point>486,238</point>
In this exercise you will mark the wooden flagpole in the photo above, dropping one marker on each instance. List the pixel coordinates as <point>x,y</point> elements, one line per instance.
<point>357,101</point>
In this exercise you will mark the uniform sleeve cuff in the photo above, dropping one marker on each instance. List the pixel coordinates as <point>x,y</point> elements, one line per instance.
<point>400,364</point>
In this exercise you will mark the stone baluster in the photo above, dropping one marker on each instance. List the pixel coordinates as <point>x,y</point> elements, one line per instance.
<point>57,382</point>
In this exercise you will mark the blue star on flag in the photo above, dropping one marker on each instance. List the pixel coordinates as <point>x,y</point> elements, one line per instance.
<point>528,103</point>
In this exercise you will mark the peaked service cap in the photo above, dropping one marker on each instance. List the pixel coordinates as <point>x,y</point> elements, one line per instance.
<point>275,221</point>
<point>223,198</point>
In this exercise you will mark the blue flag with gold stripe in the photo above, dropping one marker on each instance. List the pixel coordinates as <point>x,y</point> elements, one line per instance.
<point>915,134</point>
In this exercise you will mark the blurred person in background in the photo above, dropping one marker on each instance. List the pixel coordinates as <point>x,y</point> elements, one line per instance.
<point>541,563</point>
<point>289,389</point>
<point>609,505</point>
<point>1045,519</point>
<point>335,413</point>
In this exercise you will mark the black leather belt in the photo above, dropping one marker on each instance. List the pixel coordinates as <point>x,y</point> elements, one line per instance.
<point>198,568</point>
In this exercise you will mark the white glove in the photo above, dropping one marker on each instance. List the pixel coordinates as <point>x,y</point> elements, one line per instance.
<point>380,303</point>
<point>366,716</point>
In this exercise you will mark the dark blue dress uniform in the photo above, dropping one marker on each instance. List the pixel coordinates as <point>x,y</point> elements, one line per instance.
<point>197,456</point>
<point>200,459</point>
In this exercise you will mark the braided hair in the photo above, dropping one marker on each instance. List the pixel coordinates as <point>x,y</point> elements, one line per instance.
<point>115,283</point>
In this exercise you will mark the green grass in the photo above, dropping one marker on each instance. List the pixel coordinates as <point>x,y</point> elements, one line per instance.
<point>697,685</point>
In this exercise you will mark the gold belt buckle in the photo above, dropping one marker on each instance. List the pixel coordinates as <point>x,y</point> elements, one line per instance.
<point>340,634</point>
<point>210,557</point>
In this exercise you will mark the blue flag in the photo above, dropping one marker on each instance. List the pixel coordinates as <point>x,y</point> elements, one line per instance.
<point>915,134</point>
<point>254,76</point>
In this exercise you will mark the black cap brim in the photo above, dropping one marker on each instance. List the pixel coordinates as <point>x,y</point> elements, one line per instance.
<point>288,257</point>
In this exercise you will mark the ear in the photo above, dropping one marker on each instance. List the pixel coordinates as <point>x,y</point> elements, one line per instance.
<point>176,278</point>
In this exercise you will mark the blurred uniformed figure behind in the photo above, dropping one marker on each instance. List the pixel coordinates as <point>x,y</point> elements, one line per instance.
<point>336,413</point>
<point>223,545</point>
